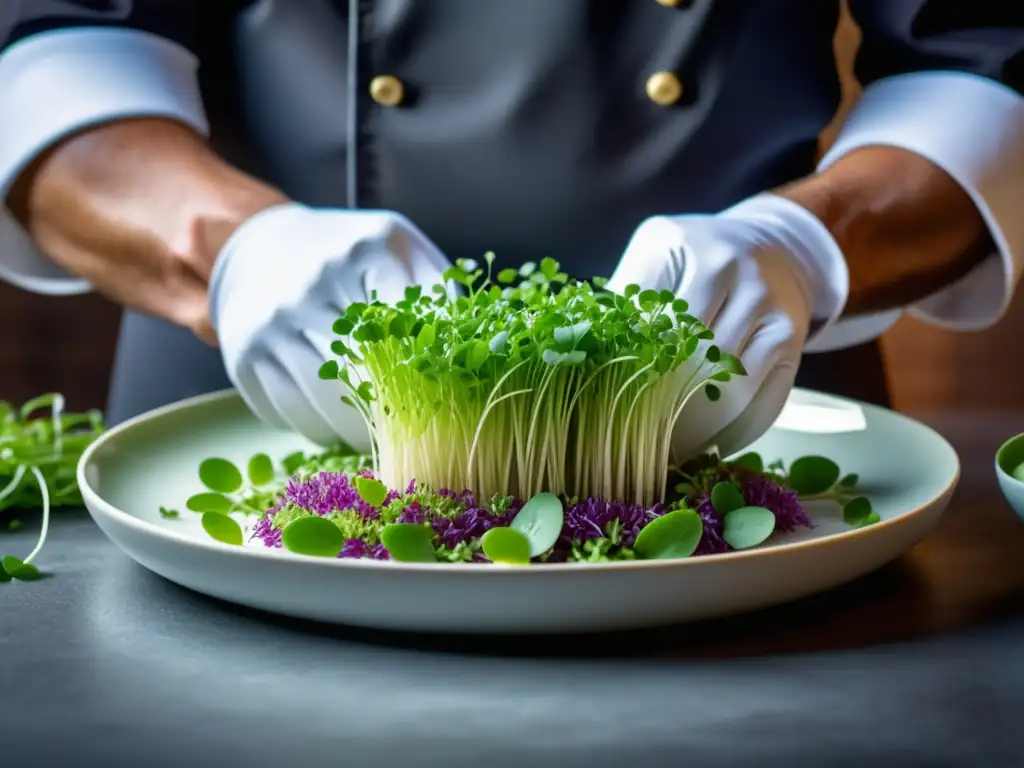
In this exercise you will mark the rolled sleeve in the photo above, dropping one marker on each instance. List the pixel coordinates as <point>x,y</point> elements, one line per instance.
<point>943,80</point>
<point>56,82</point>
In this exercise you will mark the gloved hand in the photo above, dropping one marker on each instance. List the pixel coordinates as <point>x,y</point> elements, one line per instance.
<point>760,275</point>
<point>279,283</point>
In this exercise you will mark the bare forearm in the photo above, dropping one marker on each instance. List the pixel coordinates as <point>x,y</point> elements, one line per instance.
<point>140,208</point>
<point>906,228</point>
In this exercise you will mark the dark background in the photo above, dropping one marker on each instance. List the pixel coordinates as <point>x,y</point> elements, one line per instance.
<point>67,344</point>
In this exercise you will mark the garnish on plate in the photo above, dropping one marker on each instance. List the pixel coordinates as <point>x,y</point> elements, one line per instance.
<point>553,401</point>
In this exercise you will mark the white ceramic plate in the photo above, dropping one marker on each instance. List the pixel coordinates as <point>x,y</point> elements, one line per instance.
<point>907,470</point>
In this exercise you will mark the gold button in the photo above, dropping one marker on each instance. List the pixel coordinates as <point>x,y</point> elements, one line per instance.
<point>664,88</point>
<point>387,90</point>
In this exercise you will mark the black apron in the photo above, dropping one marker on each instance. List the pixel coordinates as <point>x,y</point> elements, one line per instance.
<point>528,128</point>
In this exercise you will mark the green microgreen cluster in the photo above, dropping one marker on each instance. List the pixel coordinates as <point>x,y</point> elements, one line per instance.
<point>526,382</point>
<point>38,461</point>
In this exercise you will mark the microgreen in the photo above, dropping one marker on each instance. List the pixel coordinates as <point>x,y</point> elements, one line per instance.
<point>229,492</point>
<point>857,512</point>
<point>746,527</point>
<point>373,492</point>
<point>540,522</point>
<point>816,478</point>
<point>315,536</point>
<point>506,545</point>
<point>220,475</point>
<point>168,513</point>
<point>260,469</point>
<point>408,542</point>
<point>673,535</point>
<point>526,382</point>
<point>813,475</point>
<point>38,460</point>
<point>725,497</point>
<point>222,528</point>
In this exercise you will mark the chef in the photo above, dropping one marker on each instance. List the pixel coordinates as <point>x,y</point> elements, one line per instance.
<point>236,173</point>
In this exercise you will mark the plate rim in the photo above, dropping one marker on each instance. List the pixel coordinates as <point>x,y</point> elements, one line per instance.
<point>96,504</point>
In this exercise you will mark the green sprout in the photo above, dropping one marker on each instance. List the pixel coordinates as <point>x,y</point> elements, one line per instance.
<point>526,382</point>
<point>38,461</point>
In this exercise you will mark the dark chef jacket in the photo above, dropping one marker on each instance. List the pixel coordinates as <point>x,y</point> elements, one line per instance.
<point>528,127</point>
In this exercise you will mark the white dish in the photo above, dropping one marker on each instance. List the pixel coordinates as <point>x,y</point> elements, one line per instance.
<point>907,470</point>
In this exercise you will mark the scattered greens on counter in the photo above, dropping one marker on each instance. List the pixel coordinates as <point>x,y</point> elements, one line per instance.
<point>38,460</point>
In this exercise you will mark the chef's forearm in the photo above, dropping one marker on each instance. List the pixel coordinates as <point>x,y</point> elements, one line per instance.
<point>906,228</point>
<point>140,208</point>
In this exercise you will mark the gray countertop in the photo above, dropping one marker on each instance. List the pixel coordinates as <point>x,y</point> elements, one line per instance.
<point>920,664</point>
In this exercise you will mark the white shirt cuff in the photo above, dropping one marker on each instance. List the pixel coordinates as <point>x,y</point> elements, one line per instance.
<point>53,85</point>
<point>973,128</point>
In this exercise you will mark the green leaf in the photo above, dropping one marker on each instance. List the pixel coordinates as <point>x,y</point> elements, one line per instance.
<point>373,492</point>
<point>649,300</point>
<point>674,535</point>
<point>713,392</point>
<point>811,475</point>
<point>751,461</point>
<point>551,357</point>
<point>748,527</point>
<point>849,480</point>
<point>857,511</point>
<point>413,293</point>
<point>260,469</point>
<point>342,326</point>
<point>329,371</point>
<point>714,354</point>
<point>4,576</point>
<point>168,513</point>
<point>408,542</point>
<point>220,475</point>
<point>314,536</point>
<point>548,267</point>
<point>476,354</point>
<point>725,497</point>
<point>18,570</point>
<point>540,521</point>
<point>209,502</point>
<point>506,545</point>
<point>731,363</point>
<point>222,528</point>
<point>527,269</point>
<point>498,342</point>
<point>507,276</point>
<point>425,337</point>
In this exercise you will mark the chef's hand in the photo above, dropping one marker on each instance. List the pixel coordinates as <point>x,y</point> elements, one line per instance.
<point>279,283</point>
<point>761,275</point>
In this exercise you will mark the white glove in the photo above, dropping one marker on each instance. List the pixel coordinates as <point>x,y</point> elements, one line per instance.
<point>760,275</point>
<point>278,285</point>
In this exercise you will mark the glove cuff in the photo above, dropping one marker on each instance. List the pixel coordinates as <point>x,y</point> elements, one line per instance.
<point>804,237</point>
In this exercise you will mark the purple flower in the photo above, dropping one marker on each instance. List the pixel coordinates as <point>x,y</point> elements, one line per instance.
<point>357,548</point>
<point>592,519</point>
<point>414,513</point>
<point>469,525</point>
<point>265,531</point>
<point>711,541</point>
<point>759,491</point>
